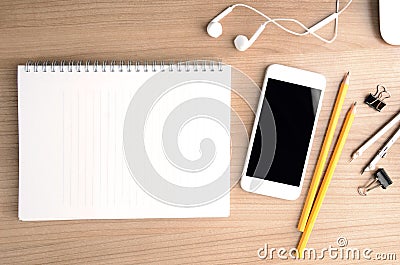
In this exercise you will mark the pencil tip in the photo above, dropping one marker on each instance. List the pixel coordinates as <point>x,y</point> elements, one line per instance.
<point>346,78</point>
<point>353,107</point>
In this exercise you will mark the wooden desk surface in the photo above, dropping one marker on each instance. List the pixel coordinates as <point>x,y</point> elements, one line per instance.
<point>157,30</point>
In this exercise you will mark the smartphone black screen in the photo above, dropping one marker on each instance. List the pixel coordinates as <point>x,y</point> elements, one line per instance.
<point>294,108</point>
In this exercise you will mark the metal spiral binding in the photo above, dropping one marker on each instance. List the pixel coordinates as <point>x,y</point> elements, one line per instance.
<point>70,66</point>
<point>112,64</point>
<point>87,66</point>
<point>203,67</point>
<point>129,66</point>
<point>137,64</point>
<point>162,66</point>
<point>53,66</point>
<point>44,66</point>
<point>78,66</point>
<point>104,66</point>
<point>35,66</point>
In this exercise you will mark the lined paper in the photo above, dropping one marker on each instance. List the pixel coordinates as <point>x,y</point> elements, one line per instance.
<point>72,163</point>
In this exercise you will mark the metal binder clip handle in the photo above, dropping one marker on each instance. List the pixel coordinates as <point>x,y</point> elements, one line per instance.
<point>381,179</point>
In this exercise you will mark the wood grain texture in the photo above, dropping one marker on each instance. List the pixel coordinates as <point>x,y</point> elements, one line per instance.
<point>158,30</point>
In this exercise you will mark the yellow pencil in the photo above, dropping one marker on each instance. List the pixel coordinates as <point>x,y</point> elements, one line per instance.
<point>316,179</point>
<point>327,179</point>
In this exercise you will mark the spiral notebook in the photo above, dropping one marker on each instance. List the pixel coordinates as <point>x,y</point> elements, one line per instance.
<point>112,141</point>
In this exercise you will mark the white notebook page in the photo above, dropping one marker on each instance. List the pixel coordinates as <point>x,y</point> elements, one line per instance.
<point>71,154</point>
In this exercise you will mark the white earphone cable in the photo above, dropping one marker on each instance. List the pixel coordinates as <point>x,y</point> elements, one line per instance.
<point>307,30</point>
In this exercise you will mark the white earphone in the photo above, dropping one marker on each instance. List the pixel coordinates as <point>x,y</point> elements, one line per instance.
<point>242,43</point>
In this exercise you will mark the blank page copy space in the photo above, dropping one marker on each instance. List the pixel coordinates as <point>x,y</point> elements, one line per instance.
<point>71,154</point>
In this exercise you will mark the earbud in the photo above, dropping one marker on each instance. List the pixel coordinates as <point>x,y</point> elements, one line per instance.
<point>242,43</point>
<point>214,28</point>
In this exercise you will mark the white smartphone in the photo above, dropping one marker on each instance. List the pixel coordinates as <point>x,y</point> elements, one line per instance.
<point>283,131</point>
